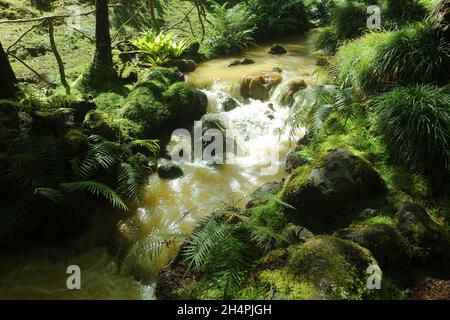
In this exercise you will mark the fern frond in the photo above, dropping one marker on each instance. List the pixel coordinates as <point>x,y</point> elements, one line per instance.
<point>97,189</point>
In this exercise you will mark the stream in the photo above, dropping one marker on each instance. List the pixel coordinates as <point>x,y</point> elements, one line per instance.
<point>176,205</point>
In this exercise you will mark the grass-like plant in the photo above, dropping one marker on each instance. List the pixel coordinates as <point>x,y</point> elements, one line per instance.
<point>326,40</point>
<point>416,54</point>
<point>414,122</point>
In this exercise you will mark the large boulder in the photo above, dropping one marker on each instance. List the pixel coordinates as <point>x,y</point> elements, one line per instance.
<point>323,267</point>
<point>258,86</point>
<point>328,192</point>
<point>415,224</point>
<point>389,247</point>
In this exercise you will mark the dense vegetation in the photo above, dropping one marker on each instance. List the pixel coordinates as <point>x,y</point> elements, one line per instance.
<point>86,114</point>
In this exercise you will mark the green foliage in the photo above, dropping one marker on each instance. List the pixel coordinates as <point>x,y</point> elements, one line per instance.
<point>350,19</point>
<point>415,124</point>
<point>320,10</point>
<point>233,29</point>
<point>377,61</point>
<point>326,39</point>
<point>414,54</point>
<point>158,49</point>
<point>319,104</point>
<point>403,11</point>
<point>279,17</point>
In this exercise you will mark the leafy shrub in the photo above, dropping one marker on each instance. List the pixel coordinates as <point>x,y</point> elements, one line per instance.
<point>158,49</point>
<point>279,17</point>
<point>414,122</point>
<point>233,29</point>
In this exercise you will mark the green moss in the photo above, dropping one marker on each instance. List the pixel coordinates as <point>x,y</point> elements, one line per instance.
<point>375,220</point>
<point>271,215</point>
<point>109,102</point>
<point>143,109</point>
<point>97,122</point>
<point>76,142</point>
<point>166,76</point>
<point>185,102</point>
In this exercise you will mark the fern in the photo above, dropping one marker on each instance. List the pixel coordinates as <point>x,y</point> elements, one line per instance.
<point>101,154</point>
<point>199,248</point>
<point>130,180</point>
<point>97,189</point>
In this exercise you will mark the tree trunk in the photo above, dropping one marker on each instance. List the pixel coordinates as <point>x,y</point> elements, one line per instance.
<point>7,77</point>
<point>153,17</point>
<point>62,72</point>
<point>103,53</point>
<point>441,16</point>
<point>101,75</point>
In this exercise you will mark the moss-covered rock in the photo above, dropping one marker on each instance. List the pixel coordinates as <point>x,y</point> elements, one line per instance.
<point>143,109</point>
<point>327,192</point>
<point>423,232</point>
<point>185,103</point>
<point>98,123</point>
<point>388,246</point>
<point>321,268</point>
<point>75,142</point>
<point>167,76</point>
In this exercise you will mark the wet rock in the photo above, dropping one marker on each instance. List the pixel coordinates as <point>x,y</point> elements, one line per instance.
<point>243,61</point>
<point>259,197</point>
<point>321,62</point>
<point>277,49</point>
<point>327,193</point>
<point>185,66</point>
<point>230,104</point>
<point>292,88</point>
<point>169,170</point>
<point>258,86</point>
<point>276,69</point>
